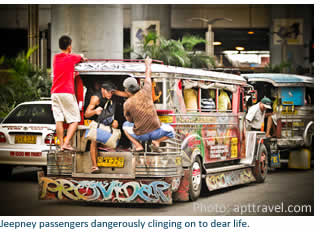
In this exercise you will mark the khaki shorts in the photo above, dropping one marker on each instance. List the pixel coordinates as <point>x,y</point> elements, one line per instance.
<point>65,108</point>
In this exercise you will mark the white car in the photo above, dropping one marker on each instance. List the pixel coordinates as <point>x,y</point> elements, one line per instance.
<point>26,134</point>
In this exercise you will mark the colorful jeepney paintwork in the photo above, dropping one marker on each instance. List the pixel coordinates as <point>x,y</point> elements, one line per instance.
<point>214,139</point>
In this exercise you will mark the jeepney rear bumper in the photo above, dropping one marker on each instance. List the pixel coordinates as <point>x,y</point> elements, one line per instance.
<point>138,190</point>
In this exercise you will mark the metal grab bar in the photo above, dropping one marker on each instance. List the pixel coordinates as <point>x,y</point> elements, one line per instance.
<point>127,60</point>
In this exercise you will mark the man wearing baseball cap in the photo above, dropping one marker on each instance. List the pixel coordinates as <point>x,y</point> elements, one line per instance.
<point>143,123</point>
<point>256,114</point>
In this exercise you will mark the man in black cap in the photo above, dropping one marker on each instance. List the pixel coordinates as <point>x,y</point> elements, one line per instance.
<point>100,100</point>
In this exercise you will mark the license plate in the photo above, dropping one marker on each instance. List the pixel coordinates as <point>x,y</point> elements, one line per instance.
<point>112,162</point>
<point>166,119</point>
<point>25,139</point>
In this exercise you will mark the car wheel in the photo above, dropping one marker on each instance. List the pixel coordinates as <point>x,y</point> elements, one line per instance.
<point>5,171</point>
<point>261,168</point>
<point>195,179</point>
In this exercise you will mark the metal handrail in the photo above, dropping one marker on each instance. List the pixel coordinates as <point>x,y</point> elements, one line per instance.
<point>127,60</point>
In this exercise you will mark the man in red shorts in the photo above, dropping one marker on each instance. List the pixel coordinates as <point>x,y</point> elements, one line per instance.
<point>64,103</point>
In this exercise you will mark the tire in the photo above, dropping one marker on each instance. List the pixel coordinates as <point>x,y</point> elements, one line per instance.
<point>5,171</point>
<point>260,170</point>
<point>308,134</point>
<point>195,179</point>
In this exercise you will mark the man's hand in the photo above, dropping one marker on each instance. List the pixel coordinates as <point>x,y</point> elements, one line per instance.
<point>148,61</point>
<point>98,110</point>
<point>83,58</point>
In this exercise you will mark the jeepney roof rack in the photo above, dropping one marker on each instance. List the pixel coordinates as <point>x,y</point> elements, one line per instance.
<point>126,60</point>
<point>45,98</point>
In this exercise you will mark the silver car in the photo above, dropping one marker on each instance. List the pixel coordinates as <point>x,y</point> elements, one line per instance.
<point>26,134</point>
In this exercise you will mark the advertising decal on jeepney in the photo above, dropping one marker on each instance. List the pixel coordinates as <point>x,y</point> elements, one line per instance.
<point>221,142</point>
<point>217,138</point>
<point>231,178</point>
<point>113,191</point>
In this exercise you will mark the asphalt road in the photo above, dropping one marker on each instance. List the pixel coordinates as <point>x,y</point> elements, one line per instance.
<point>283,192</point>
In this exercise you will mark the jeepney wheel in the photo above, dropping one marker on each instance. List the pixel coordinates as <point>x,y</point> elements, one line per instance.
<point>195,180</point>
<point>261,169</point>
<point>308,134</point>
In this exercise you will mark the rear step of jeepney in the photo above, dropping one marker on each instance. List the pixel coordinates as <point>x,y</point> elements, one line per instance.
<point>120,164</point>
<point>165,161</point>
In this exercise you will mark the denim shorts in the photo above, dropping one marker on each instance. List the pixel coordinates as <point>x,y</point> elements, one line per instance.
<point>164,130</point>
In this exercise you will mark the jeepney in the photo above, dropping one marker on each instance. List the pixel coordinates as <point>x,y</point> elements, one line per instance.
<point>293,97</point>
<point>210,150</point>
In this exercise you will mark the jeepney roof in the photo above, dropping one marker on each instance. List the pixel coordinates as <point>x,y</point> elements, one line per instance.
<point>279,79</point>
<point>138,70</point>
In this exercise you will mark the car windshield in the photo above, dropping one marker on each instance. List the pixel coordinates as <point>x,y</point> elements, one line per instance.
<point>31,113</point>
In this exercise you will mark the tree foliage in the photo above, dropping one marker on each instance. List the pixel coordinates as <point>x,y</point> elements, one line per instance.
<point>283,67</point>
<point>21,81</point>
<point>180,53</point>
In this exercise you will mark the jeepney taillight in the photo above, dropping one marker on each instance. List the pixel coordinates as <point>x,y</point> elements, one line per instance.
<point>2,138</point>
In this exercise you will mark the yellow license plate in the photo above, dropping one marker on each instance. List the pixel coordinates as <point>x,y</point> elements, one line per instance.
<point>113,162</point>
<point>166,119</point>
<point>25,139</point>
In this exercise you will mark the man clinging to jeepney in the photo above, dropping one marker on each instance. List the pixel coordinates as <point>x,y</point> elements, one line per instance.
<point>64,103</point>
<point>142,120</point>
<point>256,114</point>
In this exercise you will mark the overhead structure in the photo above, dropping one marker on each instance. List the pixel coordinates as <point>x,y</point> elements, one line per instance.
<point>210,33</point>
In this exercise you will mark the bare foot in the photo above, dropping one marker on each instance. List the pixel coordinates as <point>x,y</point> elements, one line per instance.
<point>156,143</point>
<point>139,148</point>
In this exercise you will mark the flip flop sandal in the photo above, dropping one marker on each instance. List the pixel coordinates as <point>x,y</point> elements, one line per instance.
<point>134,150</point>
<point>69,148</point>
<point>95,170</point>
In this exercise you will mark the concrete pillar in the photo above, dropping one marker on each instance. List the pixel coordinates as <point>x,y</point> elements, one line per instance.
<point>209,41</point>
<point>297,54</point>
<point>154,12</point>
<point>96,30</point>
<point>44,49</point>
<point>33,33</point>
<point>145,18</point>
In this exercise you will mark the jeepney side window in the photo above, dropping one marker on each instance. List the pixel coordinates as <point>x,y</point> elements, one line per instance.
<point>224,100</point>
<point>191,93</point>
<point>208,100</point>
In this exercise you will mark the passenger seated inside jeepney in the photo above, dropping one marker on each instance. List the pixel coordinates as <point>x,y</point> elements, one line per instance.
<point>224,102</point>
<point>191,99</point>
<point>208,100</point>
